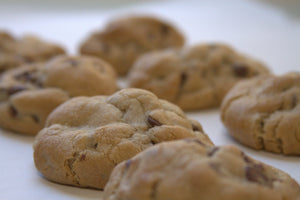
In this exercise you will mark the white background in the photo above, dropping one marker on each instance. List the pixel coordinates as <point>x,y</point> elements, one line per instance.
<point>267,30</point>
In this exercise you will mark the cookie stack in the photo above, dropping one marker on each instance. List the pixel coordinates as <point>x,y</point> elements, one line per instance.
<point>138,143</point>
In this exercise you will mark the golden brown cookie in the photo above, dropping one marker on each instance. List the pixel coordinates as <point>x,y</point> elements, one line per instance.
<point>196,77</point>
<point>86,137</point>
<point>28,49</point>
<point>124,39</point>
<point>264,113</point>
<point>190,170</point>
<point>29,93</point>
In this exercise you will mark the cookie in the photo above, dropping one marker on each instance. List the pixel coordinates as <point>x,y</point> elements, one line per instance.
<point>196,77</point>
<point>29,93</point>
<point>86,137</point>
<point>28,49</point>
<point>189,170</point>
<point>264,113</point>
<point>126,38</point>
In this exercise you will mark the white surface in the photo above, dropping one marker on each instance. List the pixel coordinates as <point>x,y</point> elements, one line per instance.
<point>266,30</point>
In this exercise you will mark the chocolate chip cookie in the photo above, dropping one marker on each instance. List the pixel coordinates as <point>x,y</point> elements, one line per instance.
<point>197,77</point>
<point>189,170</point>
<point>86,137</point>
<point>29,93</point>
<point>28,49</point>
<point>124,39</point>
<point>264,113</point>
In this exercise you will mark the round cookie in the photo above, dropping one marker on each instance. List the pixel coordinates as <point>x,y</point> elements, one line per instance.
<point>29,93</point>
<point>86,137</point>
<point>189,170</point>
<point>28,49</point>
<point>126,38</point>
<point>264,113</point>
<point>197,77</point>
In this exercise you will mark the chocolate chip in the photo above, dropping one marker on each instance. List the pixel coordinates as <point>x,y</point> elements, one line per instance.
<point>194,140</point>
<point>153,122</point>
<point>165,29</point>
<point>240,70</point>
<point>28,76</point>
<point>13,112</point>
<point>128,163</point>
<point>35,118</point>
<point>255,173</point>
<point>262,125</point>
<point>246,158</point>
<point>95,145</point>
<point>152,142</point>
<point>25,76</point>
<point>183,78</point>
<point>195,128</point>
<point>294,101</point>
<point>213,151</point>
<point>82,157</point>
<point>15,89</point>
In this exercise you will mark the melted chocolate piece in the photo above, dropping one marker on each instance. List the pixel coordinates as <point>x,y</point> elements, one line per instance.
<point>29,76</point>
<point>164,29</point>
<point>35,118</point>
<point>15,89</point>
<point>213,151</point>
<point>240,70</point>
<point>195,128</point>
<point>25,76</point>
<point>255,173</point>
<point>95,145</point>
<point>183,78</point>
<point>246,158</point>
<point>152,142</point>
<point>13,111</point>
<point>194,140</point>
<point>153,122</point>
<point>82,157</point>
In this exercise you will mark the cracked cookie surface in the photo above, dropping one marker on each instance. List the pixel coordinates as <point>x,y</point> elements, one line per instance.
<point>188,169</point>
<point>124,39</point>
<point>28,49</point>
<point>264,113</point>
<point>197,77</point>
<point>29,93</point>
<point>86,137</point>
